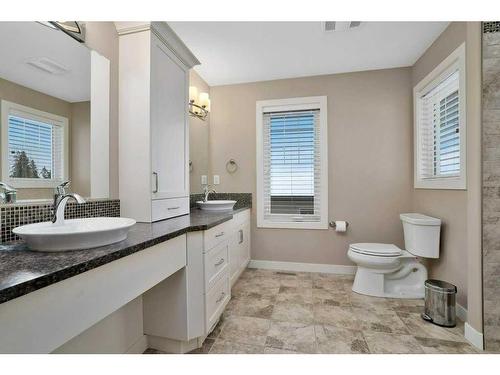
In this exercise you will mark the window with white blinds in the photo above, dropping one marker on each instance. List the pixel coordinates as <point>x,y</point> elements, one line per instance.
<point>440,127</point>
<point>291,149</point>
<point>33,147</point>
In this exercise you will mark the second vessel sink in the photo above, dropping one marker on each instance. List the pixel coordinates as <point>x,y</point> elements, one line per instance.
<point>217,205</point>
<point>75,234</point>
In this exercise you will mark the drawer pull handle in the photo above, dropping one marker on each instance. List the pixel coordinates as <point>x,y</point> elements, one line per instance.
<point>240,232</point>
<point>221,297</point>
<point>219,262</point>
<point>219,234</point>
<point>156,182</point>
<point>173,208</point>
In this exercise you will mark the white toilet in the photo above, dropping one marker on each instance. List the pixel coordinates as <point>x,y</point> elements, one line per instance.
<point>384,270</point>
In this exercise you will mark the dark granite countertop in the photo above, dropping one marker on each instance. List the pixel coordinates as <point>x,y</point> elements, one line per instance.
<point>23,271</point>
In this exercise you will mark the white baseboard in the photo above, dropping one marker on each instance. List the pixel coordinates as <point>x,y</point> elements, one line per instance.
<point>139,346</point>
<point>474,337</point>
<point>302,267</point>
<point>461,312</point>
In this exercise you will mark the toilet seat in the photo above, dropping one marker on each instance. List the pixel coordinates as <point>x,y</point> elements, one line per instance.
<point>376,249</point>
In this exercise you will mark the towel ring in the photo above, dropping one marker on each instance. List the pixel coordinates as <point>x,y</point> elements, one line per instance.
<point>231,166</point>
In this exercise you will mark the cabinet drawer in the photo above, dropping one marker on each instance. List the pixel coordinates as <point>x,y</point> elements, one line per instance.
<point>216,300</point>
<point>216,263</point>
<point>167,208</point>
<point>216,235</point>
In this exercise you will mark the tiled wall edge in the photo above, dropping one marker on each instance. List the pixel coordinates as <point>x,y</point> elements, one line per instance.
<point>491,27</point>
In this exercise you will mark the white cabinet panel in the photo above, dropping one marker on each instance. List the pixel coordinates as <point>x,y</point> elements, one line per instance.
<point>239,245</point>
<point>169,80</point>
<point>216,300</point>
<point>216,262</point>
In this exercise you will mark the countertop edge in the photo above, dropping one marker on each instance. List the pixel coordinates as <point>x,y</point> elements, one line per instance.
<point>18,290</point>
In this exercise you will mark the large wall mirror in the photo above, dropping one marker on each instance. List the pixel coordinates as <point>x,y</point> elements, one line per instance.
<point>54,119</point>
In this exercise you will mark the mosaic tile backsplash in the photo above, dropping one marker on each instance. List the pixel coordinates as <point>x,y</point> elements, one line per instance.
<point>491,27</point>
<point>242,199</point>
<point>14,215</point>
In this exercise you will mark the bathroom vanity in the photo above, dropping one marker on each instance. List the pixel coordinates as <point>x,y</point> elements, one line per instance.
<point>215,258</point>
<point>180,267</point>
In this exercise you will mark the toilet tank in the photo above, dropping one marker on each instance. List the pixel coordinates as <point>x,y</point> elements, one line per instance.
<point>421,234</point>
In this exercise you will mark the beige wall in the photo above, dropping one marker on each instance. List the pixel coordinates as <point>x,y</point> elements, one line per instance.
<point>198,139</point>
<point>103,38</point>
<point>459,210</point>
<point>370,162</point>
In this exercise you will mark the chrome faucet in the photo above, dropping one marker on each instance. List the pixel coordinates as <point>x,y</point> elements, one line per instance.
<point>207,191</point>
<point>60,200</point>
<point>7,193</point>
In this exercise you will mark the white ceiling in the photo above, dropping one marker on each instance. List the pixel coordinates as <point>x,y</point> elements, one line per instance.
<point>235,52</point>
<point>21,42</point>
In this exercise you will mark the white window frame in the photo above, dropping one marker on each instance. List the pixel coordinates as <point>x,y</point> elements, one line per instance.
<point>293,104</point>
<point>455,61</point>
<point>34,114</point>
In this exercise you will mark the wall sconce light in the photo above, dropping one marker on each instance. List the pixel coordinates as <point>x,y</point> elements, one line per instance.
<point>199,105</point>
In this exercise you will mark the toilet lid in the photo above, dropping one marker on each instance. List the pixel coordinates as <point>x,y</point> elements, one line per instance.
<point>380,249</point>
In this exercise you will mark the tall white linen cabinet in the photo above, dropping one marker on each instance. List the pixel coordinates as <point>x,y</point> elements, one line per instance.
<point>153,115</point>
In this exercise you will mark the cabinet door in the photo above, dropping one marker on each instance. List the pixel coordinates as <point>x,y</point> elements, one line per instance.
<point>169,130</point>
<point>244,241</point>
<point>234,256</point>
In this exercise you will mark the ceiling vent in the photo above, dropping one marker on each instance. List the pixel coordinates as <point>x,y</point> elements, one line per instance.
<point>48,65</point>
<point>329,26</point>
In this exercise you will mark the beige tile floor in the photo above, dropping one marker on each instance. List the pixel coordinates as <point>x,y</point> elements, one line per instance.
<point>284,312</point>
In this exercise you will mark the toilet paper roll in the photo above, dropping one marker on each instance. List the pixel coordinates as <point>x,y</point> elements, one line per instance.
<point>340,226</point>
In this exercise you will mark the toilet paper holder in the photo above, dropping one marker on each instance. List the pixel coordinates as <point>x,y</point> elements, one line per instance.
<point>333,224</point>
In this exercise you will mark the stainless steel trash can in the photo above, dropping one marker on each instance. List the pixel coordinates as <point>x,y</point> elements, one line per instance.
<point>440,299</point>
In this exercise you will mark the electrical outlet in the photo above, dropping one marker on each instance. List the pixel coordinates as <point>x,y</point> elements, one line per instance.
<point>204,179</point>
<point>216,179</point>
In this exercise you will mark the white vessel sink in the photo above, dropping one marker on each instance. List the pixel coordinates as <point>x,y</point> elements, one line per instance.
<point>75,234</point>
<point>219,205</point>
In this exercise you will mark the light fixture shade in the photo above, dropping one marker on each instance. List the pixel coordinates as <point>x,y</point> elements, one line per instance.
<point>204,100</point>
<point>74,29</point>
<point>193,94</point>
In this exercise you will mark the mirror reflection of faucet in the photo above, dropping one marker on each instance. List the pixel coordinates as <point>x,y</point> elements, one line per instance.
<point>7,193</point>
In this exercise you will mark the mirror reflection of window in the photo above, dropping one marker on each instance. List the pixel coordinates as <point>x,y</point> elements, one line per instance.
<point>36,149</point>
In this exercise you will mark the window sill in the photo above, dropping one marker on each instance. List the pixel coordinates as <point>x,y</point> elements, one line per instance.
<point>34,183</point>
<point>291,225</point>
<point>442,184</point>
